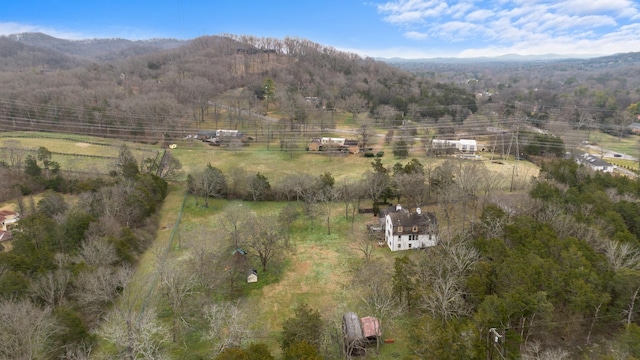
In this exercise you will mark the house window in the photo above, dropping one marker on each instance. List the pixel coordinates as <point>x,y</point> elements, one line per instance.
<point>399,246</point>
<point>399,229</point>
<point>409,245</point>
<point>415,228</point>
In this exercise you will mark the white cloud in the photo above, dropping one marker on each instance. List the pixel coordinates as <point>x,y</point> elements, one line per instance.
<point>479,15</point>
<point>401,6</point>
<point>460,9</point>
<point>561,22</point>
<point>590,7</point>
<point>404,17</point>
<point>456,30</point>
<point>415,35</point>
<point>411,11</point>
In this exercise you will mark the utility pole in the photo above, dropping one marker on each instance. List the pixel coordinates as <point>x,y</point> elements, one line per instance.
<point>513,173</point>
<point>493,337</point>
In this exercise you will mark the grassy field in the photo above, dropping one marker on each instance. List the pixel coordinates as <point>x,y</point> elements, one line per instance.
<point>318,270</point>
<point>74,152</point>
<point>625,145</point>
<point>320,267</point>
<point>275,164</point>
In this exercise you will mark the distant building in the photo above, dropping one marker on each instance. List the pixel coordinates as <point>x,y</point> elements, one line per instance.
<point>327,141</point>
<point>8,220</point>
<point>595,163</point>
<point>334,144</point>
<point>464,146</point>
<point>353,146</point>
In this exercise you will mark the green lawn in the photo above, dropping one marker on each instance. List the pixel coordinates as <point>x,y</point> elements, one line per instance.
<point>317,270</point>
<point>74,152</point>
<point>625,145</point>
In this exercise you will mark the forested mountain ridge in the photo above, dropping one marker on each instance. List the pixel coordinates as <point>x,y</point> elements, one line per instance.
<point>96,49</point>
<point>158,95</point>
<point>17,56</point>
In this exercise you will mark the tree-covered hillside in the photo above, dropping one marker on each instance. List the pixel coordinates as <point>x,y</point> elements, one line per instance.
<point>163,95</point>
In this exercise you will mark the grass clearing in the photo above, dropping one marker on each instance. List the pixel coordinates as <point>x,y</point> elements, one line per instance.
<point>624,145</point>
<point>75,152</point>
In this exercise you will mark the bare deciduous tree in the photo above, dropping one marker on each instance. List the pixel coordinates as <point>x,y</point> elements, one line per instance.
<point>51,287</point>
<point>14,154</point>
<point>354,104</point>
<point>442,277</point>
<point>365,243</point>
<point>413,187</point>
<point>170,168</point>
<point>208,183</point>
<point>25,330</point>
<point>534,351</point>
<point>233,222</point>
<point>351,194</point>
<point>97,251</point>
<point>622,255</point>
<point>364,133</point>
<point>177,286</point>
<point>94,289</point>
<point>134,329</point>
<point>201,262</point>
<point>266,237</point>
<point>228,326</point>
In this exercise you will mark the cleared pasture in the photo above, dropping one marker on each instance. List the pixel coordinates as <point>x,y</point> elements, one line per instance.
<point>74,153</point>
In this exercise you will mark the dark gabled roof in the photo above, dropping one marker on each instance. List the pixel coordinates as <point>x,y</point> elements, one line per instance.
<point>391,209</point>
<point>350,142</point>
<point>634,125</point>
<point>592,160</point>
<point>425,221</point>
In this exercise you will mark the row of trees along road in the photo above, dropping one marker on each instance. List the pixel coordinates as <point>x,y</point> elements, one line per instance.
<point>456,185</point>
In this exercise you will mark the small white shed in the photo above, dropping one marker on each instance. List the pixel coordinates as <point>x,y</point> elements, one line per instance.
<point>252,277</point>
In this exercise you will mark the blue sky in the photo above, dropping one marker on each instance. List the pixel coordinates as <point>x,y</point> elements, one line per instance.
<point>377,28</point>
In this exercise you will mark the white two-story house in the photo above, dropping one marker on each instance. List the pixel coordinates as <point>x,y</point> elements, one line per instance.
<point>405,230</point>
